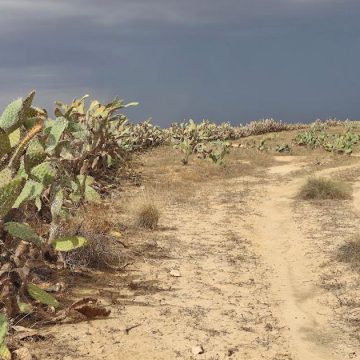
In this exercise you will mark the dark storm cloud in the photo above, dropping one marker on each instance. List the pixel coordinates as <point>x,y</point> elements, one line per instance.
<point>110,12</point>
<point>226,60</point>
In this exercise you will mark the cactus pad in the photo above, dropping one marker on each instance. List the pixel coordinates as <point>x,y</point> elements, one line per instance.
<point>35,154</point>
<point>9,193</point>
<point>44,173</point>
<point>56,130</point>
<point>5,145</point>
<point>15,137</point>
<point>42,296</point>
<point>69,243</point>
<point>23,231</point>
<point>30,191</point>
<point>10,118</point>
<point>4,327</point>
<point>15,113</point>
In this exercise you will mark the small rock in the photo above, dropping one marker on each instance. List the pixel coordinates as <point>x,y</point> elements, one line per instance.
<point>55,288</point>
<point>115,233</point>
<point>231,352</point>
<point>197,350</point>
<point>175,273</point>
<point>23,354</point>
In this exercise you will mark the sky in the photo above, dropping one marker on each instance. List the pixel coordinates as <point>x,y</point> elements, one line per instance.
<point>222,60</point>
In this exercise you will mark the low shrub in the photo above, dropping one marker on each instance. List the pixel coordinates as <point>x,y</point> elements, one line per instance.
<point>147,216</point>
<point>350,252</point>
<point>324,189</point>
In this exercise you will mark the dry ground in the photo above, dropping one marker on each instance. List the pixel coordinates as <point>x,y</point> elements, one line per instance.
<point>261,273</point>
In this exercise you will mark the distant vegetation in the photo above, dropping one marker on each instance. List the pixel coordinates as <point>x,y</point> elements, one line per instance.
<point>317,136</point>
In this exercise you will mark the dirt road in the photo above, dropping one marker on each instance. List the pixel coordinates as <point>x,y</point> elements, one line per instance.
<point>295,263</point>
<point>246,285</point>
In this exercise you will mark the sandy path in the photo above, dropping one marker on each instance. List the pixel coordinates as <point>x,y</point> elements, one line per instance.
<point>220,302</point>
<point>282,246</point>
<point>248,287</point>
<point>295,265</point>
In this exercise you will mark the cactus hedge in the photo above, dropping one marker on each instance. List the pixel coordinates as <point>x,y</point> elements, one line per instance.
<point>48,165</point>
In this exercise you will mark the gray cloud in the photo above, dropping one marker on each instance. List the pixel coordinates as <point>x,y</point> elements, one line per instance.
<point>227,60</point>
<point>112,12</point>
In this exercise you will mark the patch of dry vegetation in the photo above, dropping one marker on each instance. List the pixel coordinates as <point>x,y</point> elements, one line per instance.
<point>147,216</point>
<point>350,252</point>
<point>140,210</point>
<point>96,224</point>
<point>324,189</point>
<point>162,165</point>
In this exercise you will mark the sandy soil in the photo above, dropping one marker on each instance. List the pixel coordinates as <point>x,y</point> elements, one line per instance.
<point>257,274</point>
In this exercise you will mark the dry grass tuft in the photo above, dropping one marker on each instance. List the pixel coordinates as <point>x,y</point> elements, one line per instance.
<point>147,215</point>
<point>350,252</point>
<point>102,251</point>
<point>324,189</point>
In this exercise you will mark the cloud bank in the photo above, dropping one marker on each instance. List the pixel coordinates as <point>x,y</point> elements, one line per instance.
<point>231,60</point>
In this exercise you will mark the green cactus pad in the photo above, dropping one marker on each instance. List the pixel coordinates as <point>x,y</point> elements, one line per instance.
<point>56,130</point>
<point>5,176</point>
<point>69,243</point>
<point>9,193</point>
<point>15,137</point>
<point>4,352</point>
<point>3,328</point>
<point>30,191</point>
<point>30,122</point>
<point>10,118</point>
<point>44,173</point>
<point>27,103</point>
<point>24,232</point>
<point>35,154</point>
<point>25,308</point>
<point>5,145</point>
<point>33,116</point>
<point>42,296</point>
<point>15,113</point>
<point>91,195</point>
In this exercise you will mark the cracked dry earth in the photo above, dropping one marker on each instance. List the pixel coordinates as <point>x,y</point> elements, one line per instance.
<point>257,275</point>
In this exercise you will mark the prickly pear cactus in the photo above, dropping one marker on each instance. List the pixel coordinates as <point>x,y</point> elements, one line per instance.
<point>16,113</point>
<point>5,145</point>
<point>44,173</point>
<point>42,296</point>
<point>31,191</point>
<point>69,243</point>
<point>4,327</point>
<point>35,154</point>
<point>23,232</point>
<point>9,193</point>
